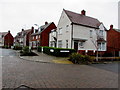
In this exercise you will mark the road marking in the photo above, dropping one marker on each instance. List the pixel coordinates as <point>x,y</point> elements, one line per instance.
<point>1,56</point>
<point>10,56</point>
<point>62,61</point>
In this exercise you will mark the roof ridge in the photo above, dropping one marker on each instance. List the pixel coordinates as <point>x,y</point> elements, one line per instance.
<point>80,14</point>
<point>80,19</point>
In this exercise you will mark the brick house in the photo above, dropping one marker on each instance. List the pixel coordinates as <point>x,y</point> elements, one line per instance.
<point>6,39</point>
<point>41,36</point>
<point>113,41</point>
<point>81,32</point>
<point>23,38</point>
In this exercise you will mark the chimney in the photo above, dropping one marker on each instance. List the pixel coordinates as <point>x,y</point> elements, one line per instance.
<point>32,29</point>
<point>46,23</point>
<point>22,29</point>
<point>83,12</point>
<point>9,31</point>
<point>111,27</point>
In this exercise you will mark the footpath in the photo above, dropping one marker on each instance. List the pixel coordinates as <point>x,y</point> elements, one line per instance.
<point>44,58</point>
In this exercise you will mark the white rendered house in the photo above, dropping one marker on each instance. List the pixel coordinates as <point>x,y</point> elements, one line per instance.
<point>80,32</point>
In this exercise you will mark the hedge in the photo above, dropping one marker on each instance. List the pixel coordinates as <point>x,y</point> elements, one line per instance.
<point>59,52</point>
<point>17,48</point>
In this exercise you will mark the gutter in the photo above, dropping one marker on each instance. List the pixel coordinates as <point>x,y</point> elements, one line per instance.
<point>71,35</point>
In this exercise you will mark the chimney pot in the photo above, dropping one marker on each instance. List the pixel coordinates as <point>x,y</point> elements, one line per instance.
<point>9,31</point>
<point>83,12</point>
<point>46,23</point>
<point>111,26</point>
<point>22,29</point>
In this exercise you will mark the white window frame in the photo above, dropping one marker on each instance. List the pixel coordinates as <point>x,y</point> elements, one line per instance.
<point>59,43</point>
<point>66,43</point>
<point>60,30</point>
<point>101,33</point>
<point>67,28</point>
<point>101,46</point>
<point>91,33</point>
<point>81,44</point>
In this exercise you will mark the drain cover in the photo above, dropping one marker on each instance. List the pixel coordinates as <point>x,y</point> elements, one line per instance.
<point>23,87</point>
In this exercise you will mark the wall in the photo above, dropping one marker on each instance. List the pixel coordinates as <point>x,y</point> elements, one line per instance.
<point>113,41</point>
<point>8,40</point>
<point>44,38</point>
<point>84,33</point>
<point>66,35</point>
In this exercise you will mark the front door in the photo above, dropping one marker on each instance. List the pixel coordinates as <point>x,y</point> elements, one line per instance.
<point>76,45</point>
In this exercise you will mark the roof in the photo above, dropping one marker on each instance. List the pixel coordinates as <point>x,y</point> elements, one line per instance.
<point>20,33</point>
<point>43,27</point>
<point>82,19</point>
<point>3,33</point>
<point>118,30</point>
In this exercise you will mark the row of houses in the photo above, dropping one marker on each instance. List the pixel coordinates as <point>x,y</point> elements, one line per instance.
<point>76,31</point>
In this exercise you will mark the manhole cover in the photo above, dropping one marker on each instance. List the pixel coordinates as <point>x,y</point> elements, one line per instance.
<point>23,87</point>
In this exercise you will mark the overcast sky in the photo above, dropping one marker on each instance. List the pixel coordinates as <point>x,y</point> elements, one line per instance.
<point>18,14</point>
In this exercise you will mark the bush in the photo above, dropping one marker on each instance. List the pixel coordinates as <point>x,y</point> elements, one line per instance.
<point>26,52</point>
<point>17,48</point>
<point>26,49</point>
<point>80,59</point>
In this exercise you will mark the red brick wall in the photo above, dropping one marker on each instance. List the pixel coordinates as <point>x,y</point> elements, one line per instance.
<point>8,40</point>
<point>28,37</point>
<point>45,35</point>
<point>113,41</point>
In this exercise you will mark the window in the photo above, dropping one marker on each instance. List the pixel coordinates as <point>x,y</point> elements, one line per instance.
<point>60,44</point>
<point>60,30</point>
<point>81,44</point>
<point>101,32</point>
<point>67,26</point>
<point>36,37</point>
<point>51,44</point>
<point>101,46</point>
<point>66,43</point>
<point>91,33</point>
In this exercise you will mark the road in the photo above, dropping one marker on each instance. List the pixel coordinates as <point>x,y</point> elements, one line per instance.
<point>17,72</point>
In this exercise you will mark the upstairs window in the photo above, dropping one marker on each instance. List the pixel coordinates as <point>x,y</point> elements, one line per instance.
<point>67,28</point>
<point>60,30</point>
<point>101,33</point>
<point>91,33</point>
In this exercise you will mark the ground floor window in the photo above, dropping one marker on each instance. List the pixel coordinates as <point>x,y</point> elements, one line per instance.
<point>66,43</point>
<point>101,46</point>
<point>60,44</point>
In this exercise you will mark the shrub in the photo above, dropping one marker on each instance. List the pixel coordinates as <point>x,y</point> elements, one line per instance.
<point>26,49</point>
<point>17,48</point>
<point>80,59</point>
<point>26,52</point>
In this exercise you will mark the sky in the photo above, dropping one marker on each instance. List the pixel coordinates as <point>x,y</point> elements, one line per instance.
<point>18,14</point>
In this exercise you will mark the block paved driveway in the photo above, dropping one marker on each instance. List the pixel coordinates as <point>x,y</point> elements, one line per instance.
<point>16,72</point>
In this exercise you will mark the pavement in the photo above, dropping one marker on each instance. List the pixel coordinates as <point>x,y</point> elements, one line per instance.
<point>17,72</point>
<point>44,58</point>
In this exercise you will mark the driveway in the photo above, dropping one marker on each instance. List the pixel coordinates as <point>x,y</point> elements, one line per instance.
<point>17,72</point>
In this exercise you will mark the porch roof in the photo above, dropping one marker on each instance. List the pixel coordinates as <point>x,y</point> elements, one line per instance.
<point>80,39</point>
